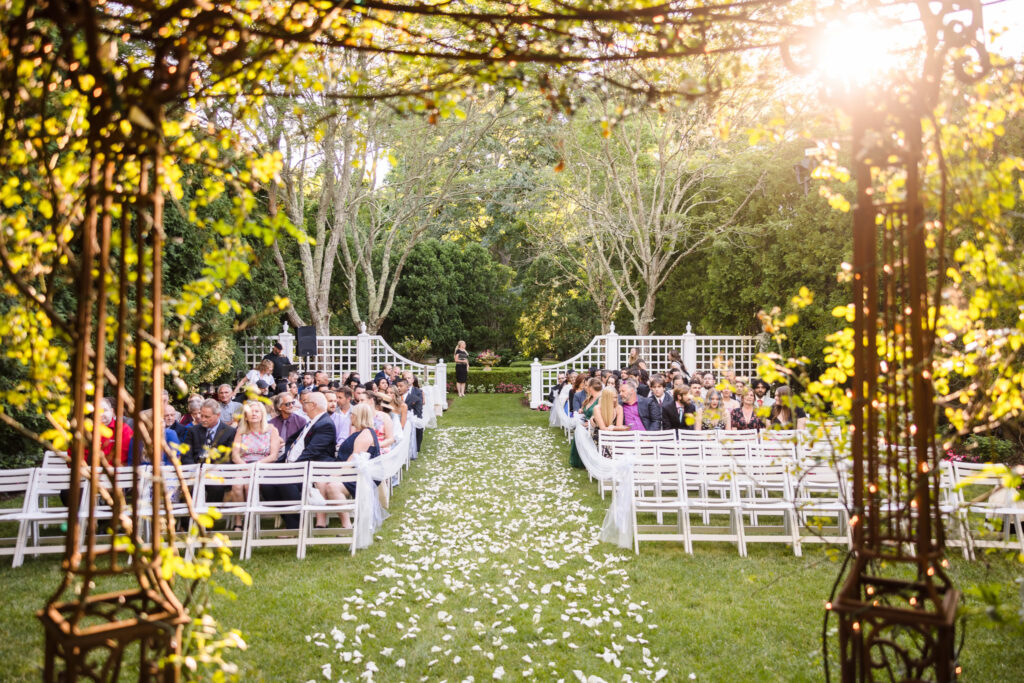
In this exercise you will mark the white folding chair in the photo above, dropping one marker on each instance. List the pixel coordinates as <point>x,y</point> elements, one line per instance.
<point>14,484</point>
<point>120,478</point>
<point>691,435</point>
<point>820,494</point>
<point>981,491</point>
<point>54,459</point>
<point>339,473</point>
<point>177,507</point>
<point>227,475</point>
<point>614,444</point>
<point>43,508</point>
<point>659,436</point>
<point>737,435</point>
<point>764,489</point>
<point>274,474</point>
<point>657,487</point>
<point>716,476</point>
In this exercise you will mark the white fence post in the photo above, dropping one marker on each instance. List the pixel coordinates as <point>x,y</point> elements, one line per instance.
<point>441,385</point>
<point>611,349</point>
<point>287,340</point>
<point>689,350</point>
<point>536,389</point>
<point>364,350</point>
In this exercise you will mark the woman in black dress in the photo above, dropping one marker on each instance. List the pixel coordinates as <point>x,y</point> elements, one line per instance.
<point>461,368</point>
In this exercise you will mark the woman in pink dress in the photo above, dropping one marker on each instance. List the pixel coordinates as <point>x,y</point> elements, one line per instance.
<point>255,441</point>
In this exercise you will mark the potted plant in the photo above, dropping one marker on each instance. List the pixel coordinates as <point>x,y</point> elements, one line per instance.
<point>488,359</point>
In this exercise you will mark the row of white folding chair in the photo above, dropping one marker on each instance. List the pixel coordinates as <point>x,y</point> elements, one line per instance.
<point>989,498</point>
<point>41,505</point>
<point>713,487</point>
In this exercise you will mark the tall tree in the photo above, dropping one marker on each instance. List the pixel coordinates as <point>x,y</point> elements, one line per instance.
<point>639,197</point>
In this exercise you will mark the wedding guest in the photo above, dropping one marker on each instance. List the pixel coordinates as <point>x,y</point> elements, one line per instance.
<point>363,439</point>
<point>288,420</point>
<point>642,386</point>
<point>745,417</point>
<point>638,412</point>
<point>681,414</point>
<point>383,425</point>
<point>255,441</point>
<point>264,372</point>
<point>315,442</point>
<point>609,413</point>
<point>761,397</point>
<point>707,383</point>
<point>728,400</point>
<point>658,392</point>
<point>172,420</point>
<point>696,395</point>
<point>412,397</point>
<point>195,402</point>
<point>593,389</point>
<point>783,414</point>
<point>635,362</point>
<point>230,409</point>
<point>578,393</point>
<point>713,414</point>
<point>338,408</point>
<point>461,368</point>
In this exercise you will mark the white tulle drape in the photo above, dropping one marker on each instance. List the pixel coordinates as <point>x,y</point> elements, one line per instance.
<point>618,521</point>
<point>370,515</point>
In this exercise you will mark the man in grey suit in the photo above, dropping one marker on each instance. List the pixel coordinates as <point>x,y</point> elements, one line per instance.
<point>640,413</point>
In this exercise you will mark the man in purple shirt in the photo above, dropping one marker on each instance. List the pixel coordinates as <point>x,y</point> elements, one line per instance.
<point>638,412</point>
<point>288,420</point>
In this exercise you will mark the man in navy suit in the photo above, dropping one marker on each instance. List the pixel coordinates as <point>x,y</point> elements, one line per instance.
<point>209,441</point>
<point>413,397</point>
<point>315,441</point>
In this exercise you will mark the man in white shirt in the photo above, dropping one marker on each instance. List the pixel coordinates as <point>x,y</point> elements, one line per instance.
<point>339,407</point>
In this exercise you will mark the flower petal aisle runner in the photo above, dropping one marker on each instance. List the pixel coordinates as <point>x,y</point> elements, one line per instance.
<point>500,574</point>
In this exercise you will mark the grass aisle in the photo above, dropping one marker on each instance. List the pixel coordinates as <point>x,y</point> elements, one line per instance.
<point>489,568</point>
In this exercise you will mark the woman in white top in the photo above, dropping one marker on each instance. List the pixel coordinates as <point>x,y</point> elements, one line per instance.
<point>264,371</point>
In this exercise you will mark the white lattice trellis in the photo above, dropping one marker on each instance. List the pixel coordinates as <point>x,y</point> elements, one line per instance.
<point>381,354</point>
<point>728,353</point>
<point>611,351</point>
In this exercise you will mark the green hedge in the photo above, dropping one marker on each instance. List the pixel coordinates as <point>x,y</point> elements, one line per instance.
<point>481,381</point>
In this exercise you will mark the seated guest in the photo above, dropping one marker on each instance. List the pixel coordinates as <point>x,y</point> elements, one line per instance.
<point>383,373</point>
<point>761,397</point>
<point>658,393</point>
<point>315,442</point>
<point>172,420</point>
<point>612,381</point>
<point>681,414</point>
<point>255,441</point>
<point>579,393</point>
<point>145,447</point>
<point>339,407</point>
<point>696,395</point>
<point>400,409</point>
<point>728,400</point>
<point>745,417</point>
<point>230,409</point>
<point>707,384</point>
<point>783,415</point>
<point>713,415</point>
<point>559,383</point>
<point>638,412</point>
<point>293,389</point>
<point>307,383</point>
<point>642,387</point>
<point>382,422</point>
<point>739,384</point>
<point>288,421</point>
<point>593,388</point>
<point>210,439</point>
<point>195,402</point>
<point>363,439</point>
<point>609,413</point>
<point>412,396</point>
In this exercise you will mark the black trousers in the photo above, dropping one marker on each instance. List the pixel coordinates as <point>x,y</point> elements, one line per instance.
<point>283,492</point>
<point>419,439</point>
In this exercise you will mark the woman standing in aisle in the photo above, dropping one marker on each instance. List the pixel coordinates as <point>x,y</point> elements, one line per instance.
<point>461,368</point>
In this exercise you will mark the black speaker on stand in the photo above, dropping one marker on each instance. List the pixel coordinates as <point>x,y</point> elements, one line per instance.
<point>305,343</point>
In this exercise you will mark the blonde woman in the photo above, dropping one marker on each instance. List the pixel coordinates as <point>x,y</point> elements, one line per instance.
<point>712,415</point>
<point>256,440</point>
<point>461,367</point>
<point>609,413</point>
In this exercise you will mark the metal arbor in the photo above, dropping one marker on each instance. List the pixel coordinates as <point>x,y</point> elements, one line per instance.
<point>897,607</point>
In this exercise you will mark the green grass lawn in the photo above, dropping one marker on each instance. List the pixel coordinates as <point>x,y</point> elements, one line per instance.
<point>489,567</point>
